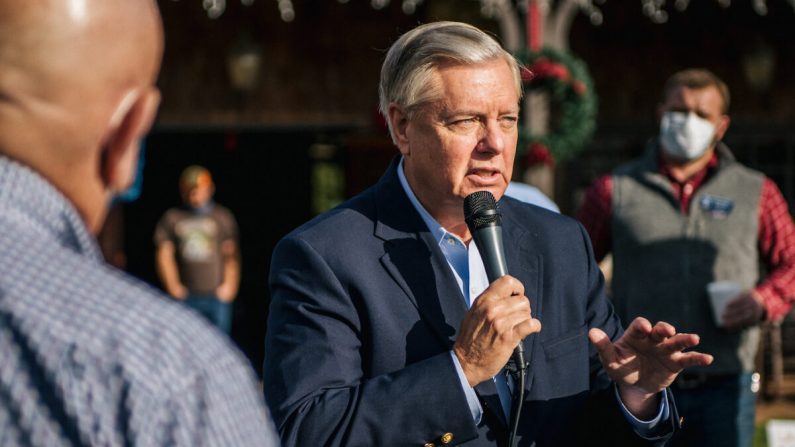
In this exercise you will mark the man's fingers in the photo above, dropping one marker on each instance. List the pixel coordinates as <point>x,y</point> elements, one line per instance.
<point>512,307</point>
<point>736,308</point>
<point>731,320</point>
<point>507,319</point>
<point>519,322</point>
<point>639,328</point>
<point>527,327</point>
<point>688,359</point>
<point>505,291</point>
<point>493,306</point>
<point>744,310</point>
<point>680,342</point>
<point>506,286</point>
<point>661,331</point>
<point>738,317</point>
<point>602,342</point>
<point>738,300</point>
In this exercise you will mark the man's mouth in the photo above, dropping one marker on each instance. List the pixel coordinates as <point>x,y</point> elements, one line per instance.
<point>484,176</point>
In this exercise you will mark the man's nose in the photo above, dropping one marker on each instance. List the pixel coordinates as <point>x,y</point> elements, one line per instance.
<point>493,138</point>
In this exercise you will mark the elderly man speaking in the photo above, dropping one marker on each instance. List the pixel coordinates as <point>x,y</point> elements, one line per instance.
<point>384,329</point>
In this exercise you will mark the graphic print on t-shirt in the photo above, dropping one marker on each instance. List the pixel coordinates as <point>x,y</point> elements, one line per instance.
<point>198,238</point>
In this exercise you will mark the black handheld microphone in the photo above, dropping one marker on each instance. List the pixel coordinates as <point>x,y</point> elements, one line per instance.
<point>483,220</point>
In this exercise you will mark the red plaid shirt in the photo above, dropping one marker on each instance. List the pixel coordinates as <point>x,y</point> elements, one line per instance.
<point>776,236</point>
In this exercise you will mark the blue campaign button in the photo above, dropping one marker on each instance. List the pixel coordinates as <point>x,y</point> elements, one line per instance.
<point>715,206</point>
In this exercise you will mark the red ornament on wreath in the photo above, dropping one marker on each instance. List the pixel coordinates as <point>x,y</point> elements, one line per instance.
<point>567,82</point>
<point>544,68</point>
<point>538,155</point>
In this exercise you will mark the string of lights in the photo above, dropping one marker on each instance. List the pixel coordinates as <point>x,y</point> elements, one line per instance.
<point>655,10</point>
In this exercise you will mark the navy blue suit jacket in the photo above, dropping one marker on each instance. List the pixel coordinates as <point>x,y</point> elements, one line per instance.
<point>365,310</point>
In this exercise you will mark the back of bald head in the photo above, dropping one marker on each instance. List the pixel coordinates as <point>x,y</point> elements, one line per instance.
<point>77,92</point>
<point>81,38</point>
<point>65,62</point>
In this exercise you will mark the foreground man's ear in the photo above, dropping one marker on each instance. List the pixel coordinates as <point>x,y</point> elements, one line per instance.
<point>129,123</point>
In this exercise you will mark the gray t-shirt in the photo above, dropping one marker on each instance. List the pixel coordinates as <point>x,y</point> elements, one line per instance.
<point>197,239</point>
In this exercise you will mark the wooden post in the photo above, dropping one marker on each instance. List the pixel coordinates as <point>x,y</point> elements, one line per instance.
<point>536,104</point>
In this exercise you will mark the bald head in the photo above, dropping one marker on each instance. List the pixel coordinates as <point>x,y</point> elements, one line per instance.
<point>74,43</point>
<point>75,76</point>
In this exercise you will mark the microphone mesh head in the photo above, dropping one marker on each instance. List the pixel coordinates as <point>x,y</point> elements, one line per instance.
<point>480,210</point>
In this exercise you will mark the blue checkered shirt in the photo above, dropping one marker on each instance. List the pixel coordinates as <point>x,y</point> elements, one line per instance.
<point>89,356</point>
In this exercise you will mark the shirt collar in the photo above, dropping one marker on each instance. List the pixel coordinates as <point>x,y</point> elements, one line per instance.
<point>437,230</point>
<point>29,200</point>
<point>698,178</point>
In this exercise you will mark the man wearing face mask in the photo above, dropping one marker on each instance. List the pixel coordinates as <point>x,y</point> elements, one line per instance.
<point>197,250</point>
<point>686,214</point>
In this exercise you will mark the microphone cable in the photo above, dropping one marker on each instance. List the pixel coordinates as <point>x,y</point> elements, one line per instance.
<point>519,373</point>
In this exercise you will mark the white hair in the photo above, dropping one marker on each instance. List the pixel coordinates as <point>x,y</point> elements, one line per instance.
<point>412,60</point>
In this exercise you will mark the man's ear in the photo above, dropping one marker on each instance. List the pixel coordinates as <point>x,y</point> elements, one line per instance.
<point>399,121</point>
<point>722,127</point>
<point>131,120</point>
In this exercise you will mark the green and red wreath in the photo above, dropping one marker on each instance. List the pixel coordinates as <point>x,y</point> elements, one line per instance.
<point>573,105</point>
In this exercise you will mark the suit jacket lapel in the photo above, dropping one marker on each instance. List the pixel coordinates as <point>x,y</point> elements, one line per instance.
<point>414,260</point>
<point>525,264</point>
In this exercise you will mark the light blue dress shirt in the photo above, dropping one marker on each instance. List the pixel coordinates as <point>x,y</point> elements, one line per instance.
<point>470,274</point>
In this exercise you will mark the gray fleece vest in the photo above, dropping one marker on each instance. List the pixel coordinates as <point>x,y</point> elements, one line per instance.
<point>663,260</point>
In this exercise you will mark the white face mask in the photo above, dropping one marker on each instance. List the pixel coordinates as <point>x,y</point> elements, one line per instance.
<point>685,136</point>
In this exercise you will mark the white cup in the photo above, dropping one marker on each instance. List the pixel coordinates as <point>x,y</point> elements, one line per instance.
<point>720,293</point>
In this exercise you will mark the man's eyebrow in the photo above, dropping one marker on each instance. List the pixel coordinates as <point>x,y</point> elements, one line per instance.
<point>451,112</point>
<point>467,112</point>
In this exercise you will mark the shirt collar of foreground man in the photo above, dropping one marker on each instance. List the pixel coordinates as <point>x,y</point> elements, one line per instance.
<point>367,325</point>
